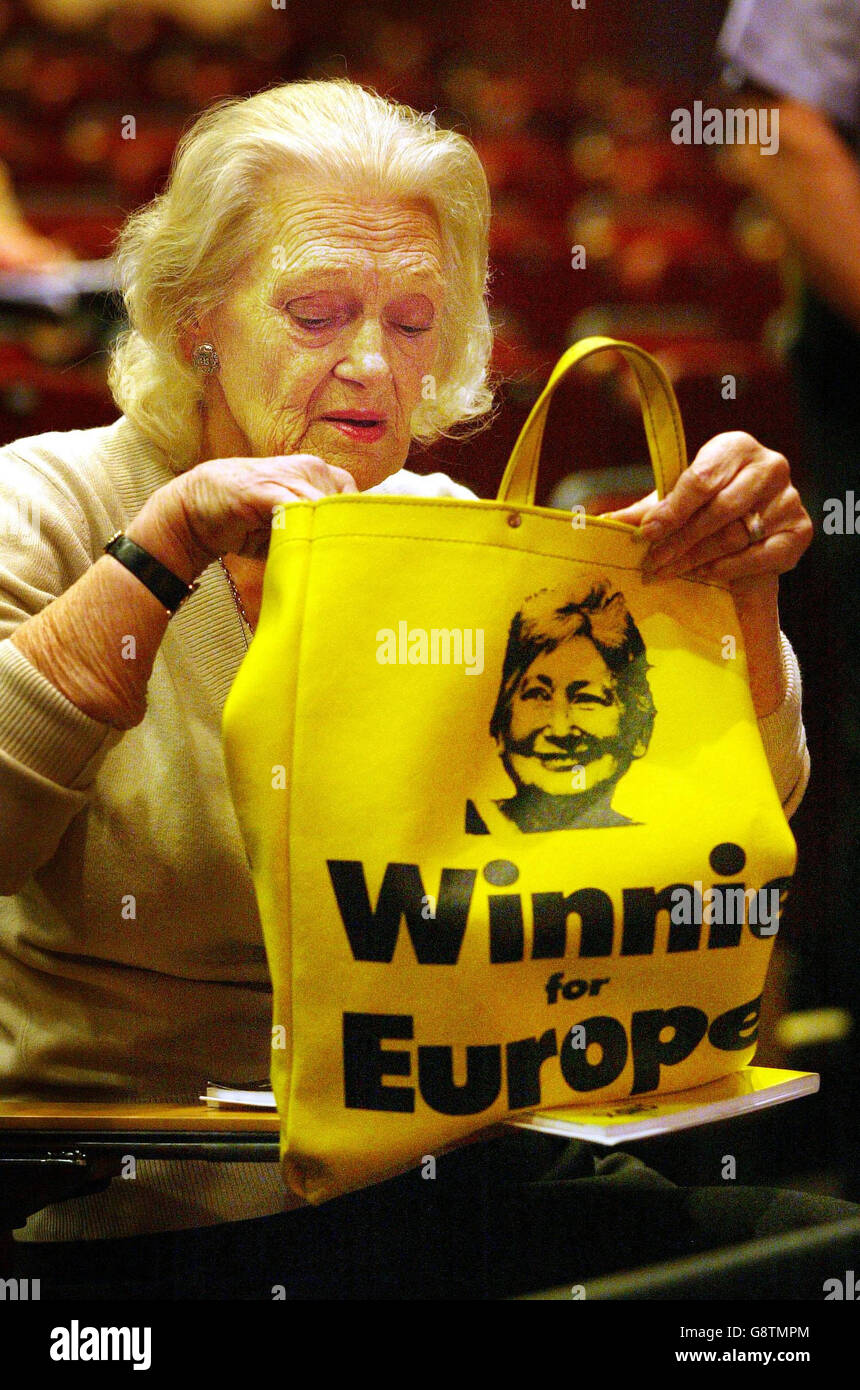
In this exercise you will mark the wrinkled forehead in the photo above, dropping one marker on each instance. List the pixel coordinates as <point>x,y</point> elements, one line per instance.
<point>322,230</point>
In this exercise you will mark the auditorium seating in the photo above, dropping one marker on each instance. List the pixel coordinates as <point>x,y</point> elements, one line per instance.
<point>89,119</point>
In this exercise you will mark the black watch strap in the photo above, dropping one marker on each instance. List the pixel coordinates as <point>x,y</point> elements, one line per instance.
<point>168,588</point>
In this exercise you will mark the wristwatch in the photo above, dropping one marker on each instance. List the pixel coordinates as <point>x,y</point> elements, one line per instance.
<point>168,588</point>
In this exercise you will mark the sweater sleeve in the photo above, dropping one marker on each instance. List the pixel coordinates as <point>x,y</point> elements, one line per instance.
<point>784,738</point>
<point>50,751</point>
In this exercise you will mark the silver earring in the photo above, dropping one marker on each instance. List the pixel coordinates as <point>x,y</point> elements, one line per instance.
<point>205,359</point>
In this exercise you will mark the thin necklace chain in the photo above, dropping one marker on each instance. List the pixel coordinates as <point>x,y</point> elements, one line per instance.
<point>240,607</point>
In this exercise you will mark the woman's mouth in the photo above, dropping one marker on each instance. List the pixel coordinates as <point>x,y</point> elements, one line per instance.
<point>358,425</point>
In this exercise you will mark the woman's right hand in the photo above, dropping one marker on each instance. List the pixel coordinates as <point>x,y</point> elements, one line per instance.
<point>226,507</point>
<point>223,507</point>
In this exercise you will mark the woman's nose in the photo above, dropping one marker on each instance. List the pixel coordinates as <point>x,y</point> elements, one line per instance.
<point>562,719</point>
<point>366,360</point>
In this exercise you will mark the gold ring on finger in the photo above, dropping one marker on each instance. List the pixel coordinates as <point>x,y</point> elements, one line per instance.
<point>755,527</point>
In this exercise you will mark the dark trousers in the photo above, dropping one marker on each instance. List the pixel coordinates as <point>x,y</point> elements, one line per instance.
<point>520,1213</point>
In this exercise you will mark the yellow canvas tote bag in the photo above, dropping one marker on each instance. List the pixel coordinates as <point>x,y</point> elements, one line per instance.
<point>513,833</point>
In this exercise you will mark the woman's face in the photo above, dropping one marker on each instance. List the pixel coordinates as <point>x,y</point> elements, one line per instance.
<point>328,332</point>
<point>565,719</point>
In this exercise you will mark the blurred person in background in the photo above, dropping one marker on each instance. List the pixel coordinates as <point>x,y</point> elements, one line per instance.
<point>21,248</point>
<point>802,58</point>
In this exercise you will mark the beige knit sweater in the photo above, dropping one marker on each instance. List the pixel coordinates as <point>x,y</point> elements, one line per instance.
<point>130,946</point>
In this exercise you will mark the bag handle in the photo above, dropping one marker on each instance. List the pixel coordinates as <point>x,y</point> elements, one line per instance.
<point>660,412</point>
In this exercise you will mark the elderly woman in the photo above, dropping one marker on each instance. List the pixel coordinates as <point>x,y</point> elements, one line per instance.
<point>316,263</point>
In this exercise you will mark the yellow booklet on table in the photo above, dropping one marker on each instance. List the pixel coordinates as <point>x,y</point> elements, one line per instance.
<point>752,1088</point>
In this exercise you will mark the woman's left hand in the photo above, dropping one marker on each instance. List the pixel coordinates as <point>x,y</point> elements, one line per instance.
<point>700,530</point>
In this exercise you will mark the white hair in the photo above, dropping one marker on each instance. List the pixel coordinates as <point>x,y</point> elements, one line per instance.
<point>178,253</point>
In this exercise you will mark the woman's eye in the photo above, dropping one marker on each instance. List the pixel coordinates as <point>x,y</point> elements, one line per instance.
<point>411,330</point>
<point>536,692</point>
<point>312,323</point>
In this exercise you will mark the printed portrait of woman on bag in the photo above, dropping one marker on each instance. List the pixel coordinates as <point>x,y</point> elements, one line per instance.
<point>574,709</point>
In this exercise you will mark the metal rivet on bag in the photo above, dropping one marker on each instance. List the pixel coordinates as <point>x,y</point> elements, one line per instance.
<point>515,519</point>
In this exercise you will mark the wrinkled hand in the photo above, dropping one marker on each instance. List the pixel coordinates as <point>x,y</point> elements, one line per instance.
<point>226,506</point>
<point>698,530</point>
